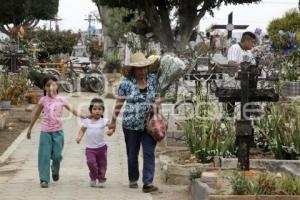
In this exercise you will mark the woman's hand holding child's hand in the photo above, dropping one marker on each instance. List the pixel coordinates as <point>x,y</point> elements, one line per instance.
<point>112,126</point>
<point>78,140</point>
<point>86,116</point>
<point>29,134</point>
<point>110,132</point>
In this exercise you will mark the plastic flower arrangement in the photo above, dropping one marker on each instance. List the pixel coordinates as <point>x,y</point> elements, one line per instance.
<point>289,40</point>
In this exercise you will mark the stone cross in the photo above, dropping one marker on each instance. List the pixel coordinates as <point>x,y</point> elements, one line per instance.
<point>230,26</point>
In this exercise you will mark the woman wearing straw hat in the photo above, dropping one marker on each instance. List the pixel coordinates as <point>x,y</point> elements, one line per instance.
<point>138,91</point>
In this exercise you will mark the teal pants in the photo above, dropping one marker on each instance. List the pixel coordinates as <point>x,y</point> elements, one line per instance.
<point>50,148</point>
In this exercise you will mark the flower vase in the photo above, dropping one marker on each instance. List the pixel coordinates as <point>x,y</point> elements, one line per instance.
<point>6,104</point>
<point>291,88</point>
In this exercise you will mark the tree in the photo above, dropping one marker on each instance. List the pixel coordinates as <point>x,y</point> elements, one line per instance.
<point>52,42</point>
<point>160,15</point>
<point>26,13</point>
<point>116,28</point>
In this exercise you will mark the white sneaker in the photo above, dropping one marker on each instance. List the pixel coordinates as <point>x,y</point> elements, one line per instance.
<point>93,183</point>
<point>100,184</point>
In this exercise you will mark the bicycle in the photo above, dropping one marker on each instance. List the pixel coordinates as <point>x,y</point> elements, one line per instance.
<point>93,79</point>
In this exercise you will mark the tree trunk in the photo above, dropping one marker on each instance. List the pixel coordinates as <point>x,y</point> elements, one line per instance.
<point>105,13</point>
<point>158,18</point>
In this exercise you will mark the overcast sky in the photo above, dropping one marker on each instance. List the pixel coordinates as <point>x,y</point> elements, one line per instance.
<point>73,13</point>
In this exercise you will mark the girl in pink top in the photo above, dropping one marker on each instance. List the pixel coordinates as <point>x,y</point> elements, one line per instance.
<point>52,136</point>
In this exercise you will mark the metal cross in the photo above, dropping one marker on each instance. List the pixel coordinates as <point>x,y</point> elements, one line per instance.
<point>230,26</point>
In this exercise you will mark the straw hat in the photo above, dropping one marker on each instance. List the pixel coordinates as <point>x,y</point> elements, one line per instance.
<point>139,60</point>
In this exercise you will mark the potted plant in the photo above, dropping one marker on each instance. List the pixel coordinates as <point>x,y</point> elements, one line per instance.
<point>290,74</point>
<point>6,91</point>
<point>13,88</point>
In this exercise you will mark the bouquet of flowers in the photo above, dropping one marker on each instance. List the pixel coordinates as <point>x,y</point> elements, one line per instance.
<point>171,70</point>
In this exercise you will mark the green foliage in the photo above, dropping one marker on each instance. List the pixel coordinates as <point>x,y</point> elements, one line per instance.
<point>17,11</point>
<point>241,185</point>
<point>265,184</point>
<point>281,127</point>
<point>195,173</point>
<point>288,23</point>
<point>206,136</point>
<point>288,185</point>
<point>52,42</point>
<point>36,76</point>
<point>6,89</point>
<point>116,27</point>
<point>171,97</point>
<point>113,63</point>
<point>289,66</point>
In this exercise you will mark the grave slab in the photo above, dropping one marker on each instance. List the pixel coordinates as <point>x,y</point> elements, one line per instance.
<point>200,190</point>
<point>268,164</point>
<point>291,169</point>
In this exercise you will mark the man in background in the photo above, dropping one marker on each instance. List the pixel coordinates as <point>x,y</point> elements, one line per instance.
<point>236,54</point>
<point>237,51</point>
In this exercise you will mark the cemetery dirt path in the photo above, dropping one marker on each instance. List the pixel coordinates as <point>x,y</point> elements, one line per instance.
<point>19,177</point>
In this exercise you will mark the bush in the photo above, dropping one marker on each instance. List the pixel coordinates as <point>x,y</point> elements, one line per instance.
<point>288,23</point>
<point>281,127</point>
<point>289,67</point>
<point>52,42</point>
<point>37,77</point>
<point>265,184</point>
<point>241,185</point>
<point>206,136</point>
<point>13,87</point>
<point>288,185</point>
